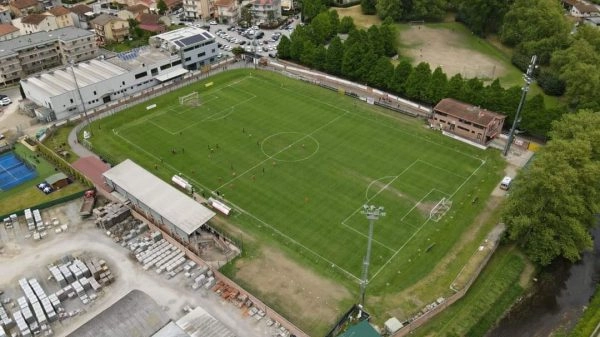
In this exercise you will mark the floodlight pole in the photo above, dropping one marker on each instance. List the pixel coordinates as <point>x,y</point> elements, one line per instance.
<point>87,119</point>
<point>528,77</point>
<point>373,213</point>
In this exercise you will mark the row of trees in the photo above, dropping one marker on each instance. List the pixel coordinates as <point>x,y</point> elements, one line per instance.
<point>555,202</point>
<point>365,57</point>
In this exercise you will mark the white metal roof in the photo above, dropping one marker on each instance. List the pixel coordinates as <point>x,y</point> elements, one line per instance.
<point>199,323</point>
<point>60,81</point>
<point>177,71</point>
<point>174,206</point>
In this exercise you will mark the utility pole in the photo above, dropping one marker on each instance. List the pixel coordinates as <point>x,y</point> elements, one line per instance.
<point>528,77</point>
<point>87,120</point>
<point>373,213</point>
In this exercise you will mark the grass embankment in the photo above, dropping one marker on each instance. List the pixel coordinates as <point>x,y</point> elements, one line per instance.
<point>27,194</point>
<point>58,142</point>
<point>490,296</point>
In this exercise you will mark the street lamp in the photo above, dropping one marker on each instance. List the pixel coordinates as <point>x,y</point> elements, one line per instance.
<point>373,213</point>
<point>528,77</point>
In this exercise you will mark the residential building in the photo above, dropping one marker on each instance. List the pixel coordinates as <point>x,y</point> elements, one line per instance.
<point>8,31</point>
<point>71,90</point>
<point>5,16</point>
<point>28,54</point>
<point>153,23</point>
<point>132,12</point>
<point>82,15</point>
<point>34,23</point>
<point>110,28</point>
<point>581,10</point>
<point>266,10</point>
<point>227,11</point>
<point>467,121</point>
<point>194,46</point>
<point>24,7</point>
<point>63,16</point>
<point>592,21</point>
<point>198,9</point>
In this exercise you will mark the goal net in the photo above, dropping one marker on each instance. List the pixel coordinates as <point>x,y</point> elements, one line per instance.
<point>190,99</point>
<point>438,211</point>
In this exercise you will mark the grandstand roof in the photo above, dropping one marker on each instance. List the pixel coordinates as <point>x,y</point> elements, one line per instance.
<point>135,314</point>
<point>174,206</point>
<point>60,81</point>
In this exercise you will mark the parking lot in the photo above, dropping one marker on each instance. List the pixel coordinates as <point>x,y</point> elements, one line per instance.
<point>21,256</point>
<point>252,39</point>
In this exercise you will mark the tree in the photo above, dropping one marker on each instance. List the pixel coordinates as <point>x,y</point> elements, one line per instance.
<point>283,48</point>
<point>368,7</point>
<point>437,86</point>
<point>389,37</point>
<point>162,7</point>
<point>482,17</point>
<point>237,51</point>
<point>321,29</point>
<point>535,27</point>
<point>334,19</point>
<point>346,25</point>
<point>380,75</point>
<point>335,53</point>
<point>401,73</point>
<point>320,57</point>
<point>454,88</point>
<point>554,202</point>
<point>307,56</point>
<point>310,9</point>
<point>418,82</point>
<point>426,9</point>
<point>352,61</point>
<point>389,8</point>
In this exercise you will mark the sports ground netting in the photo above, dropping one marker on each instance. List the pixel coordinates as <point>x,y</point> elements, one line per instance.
<point>13,171</point>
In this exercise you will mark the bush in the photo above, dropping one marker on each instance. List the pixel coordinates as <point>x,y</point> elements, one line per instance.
<point>551,83</point>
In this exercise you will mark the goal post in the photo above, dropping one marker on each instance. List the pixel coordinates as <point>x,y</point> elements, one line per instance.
<point>191,99</point>
<point>440,209</point>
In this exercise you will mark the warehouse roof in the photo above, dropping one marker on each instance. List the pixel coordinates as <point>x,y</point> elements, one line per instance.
<point>60,81</point>
<point>174,206</point>
<point>198,322</point>
<point>171,330</point>
<point>12,46</point>
<point>135,314</point>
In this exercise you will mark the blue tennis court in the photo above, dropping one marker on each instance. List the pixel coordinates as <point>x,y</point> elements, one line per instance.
<point>13,171</point>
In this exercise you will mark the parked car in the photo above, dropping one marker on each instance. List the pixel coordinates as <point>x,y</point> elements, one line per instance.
<point>213,22</point>
<point>5,100</point>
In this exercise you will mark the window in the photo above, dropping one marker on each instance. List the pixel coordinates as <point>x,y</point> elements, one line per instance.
<point>95,92</point>
<point>140,75</point>
<point>187,59</point>
<point>154,71</point>
<point>166,66</point>
<point>201,54</point>
<point>71,101</point>
<point>123,82</point>
<point>177,62</point>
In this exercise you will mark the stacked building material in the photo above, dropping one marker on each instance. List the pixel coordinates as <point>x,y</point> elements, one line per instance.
<point>111,214</point>
<point>5,320</point>
<point>57,275</point>
<point>21,324</point>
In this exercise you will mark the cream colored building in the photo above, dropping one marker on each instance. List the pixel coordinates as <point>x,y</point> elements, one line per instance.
<point>110,28</point>
<point>63,16</point>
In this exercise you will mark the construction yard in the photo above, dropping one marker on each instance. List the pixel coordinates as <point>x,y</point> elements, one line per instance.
<point>68,240</point>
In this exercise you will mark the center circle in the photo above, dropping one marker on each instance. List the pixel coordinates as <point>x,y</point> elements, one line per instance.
<point>289,146</point>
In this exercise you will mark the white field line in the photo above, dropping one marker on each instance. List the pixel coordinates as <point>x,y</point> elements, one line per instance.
<point>425,222</point>
<point>442,169</point>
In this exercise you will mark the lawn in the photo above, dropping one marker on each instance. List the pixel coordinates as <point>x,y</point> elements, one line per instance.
<point>58,142</point>
<point>27,194</point>
<point>299,162</point>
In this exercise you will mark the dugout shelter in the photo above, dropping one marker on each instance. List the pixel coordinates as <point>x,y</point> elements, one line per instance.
<point>157,200</point>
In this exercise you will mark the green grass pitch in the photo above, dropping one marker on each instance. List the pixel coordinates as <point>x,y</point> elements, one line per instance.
<point>298,162</point>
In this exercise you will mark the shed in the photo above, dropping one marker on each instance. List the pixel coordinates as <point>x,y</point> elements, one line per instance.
<point>58,180</point>
<point>392,325</point>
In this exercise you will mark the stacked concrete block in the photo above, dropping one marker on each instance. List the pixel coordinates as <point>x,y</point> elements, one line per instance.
<point>95,285</point>
<point>64,270</point>
<point>55,302</point>
<point>39,313</point>
<point>85,283</point>
<point>5,320</point>
<point>58,276</point>
<point>78,288</point>
<point>83,268</point>
<point>110,215</point>
<point>77,273</point>
<point>39,223</point>
<point>21,324</point>
<point>210,282</point>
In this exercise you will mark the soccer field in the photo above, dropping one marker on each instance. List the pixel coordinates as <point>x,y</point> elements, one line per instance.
<point>298,162</point>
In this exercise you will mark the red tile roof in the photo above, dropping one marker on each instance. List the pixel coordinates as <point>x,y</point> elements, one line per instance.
<point>7,28</point>
<point>81,9</point>
<point>224,3</point>
<point>33,19</point>
<point>172,3</point>
<point>155,28</point>
<point>466,111</point>
<point>148,19</point>
<point>22,4</point>
<point>584,8</point>
<point>59,11</point>
<point>137,8</point>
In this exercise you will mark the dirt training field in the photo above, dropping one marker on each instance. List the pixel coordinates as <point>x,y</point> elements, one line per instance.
<point>449,49</point>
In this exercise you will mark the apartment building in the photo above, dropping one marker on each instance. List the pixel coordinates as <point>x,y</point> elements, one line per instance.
<point>28,54</point>
<point>227,11</point>
<point>198,9</point>
<point>266,10</point>
<point>34,23</point>
<point>110,28</point>
<point>81,15</point>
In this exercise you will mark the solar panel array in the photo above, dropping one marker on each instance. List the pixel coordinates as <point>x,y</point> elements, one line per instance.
<point>190,40</point>
<point>130,55</point>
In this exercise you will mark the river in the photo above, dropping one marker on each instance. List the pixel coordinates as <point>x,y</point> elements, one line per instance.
<point>560,296</point>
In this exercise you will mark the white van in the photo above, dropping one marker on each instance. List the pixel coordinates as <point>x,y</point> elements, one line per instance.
<point>505,183</point>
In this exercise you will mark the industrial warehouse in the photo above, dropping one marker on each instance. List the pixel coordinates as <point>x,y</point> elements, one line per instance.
<point>73,89</point>
<point>158,201</point>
